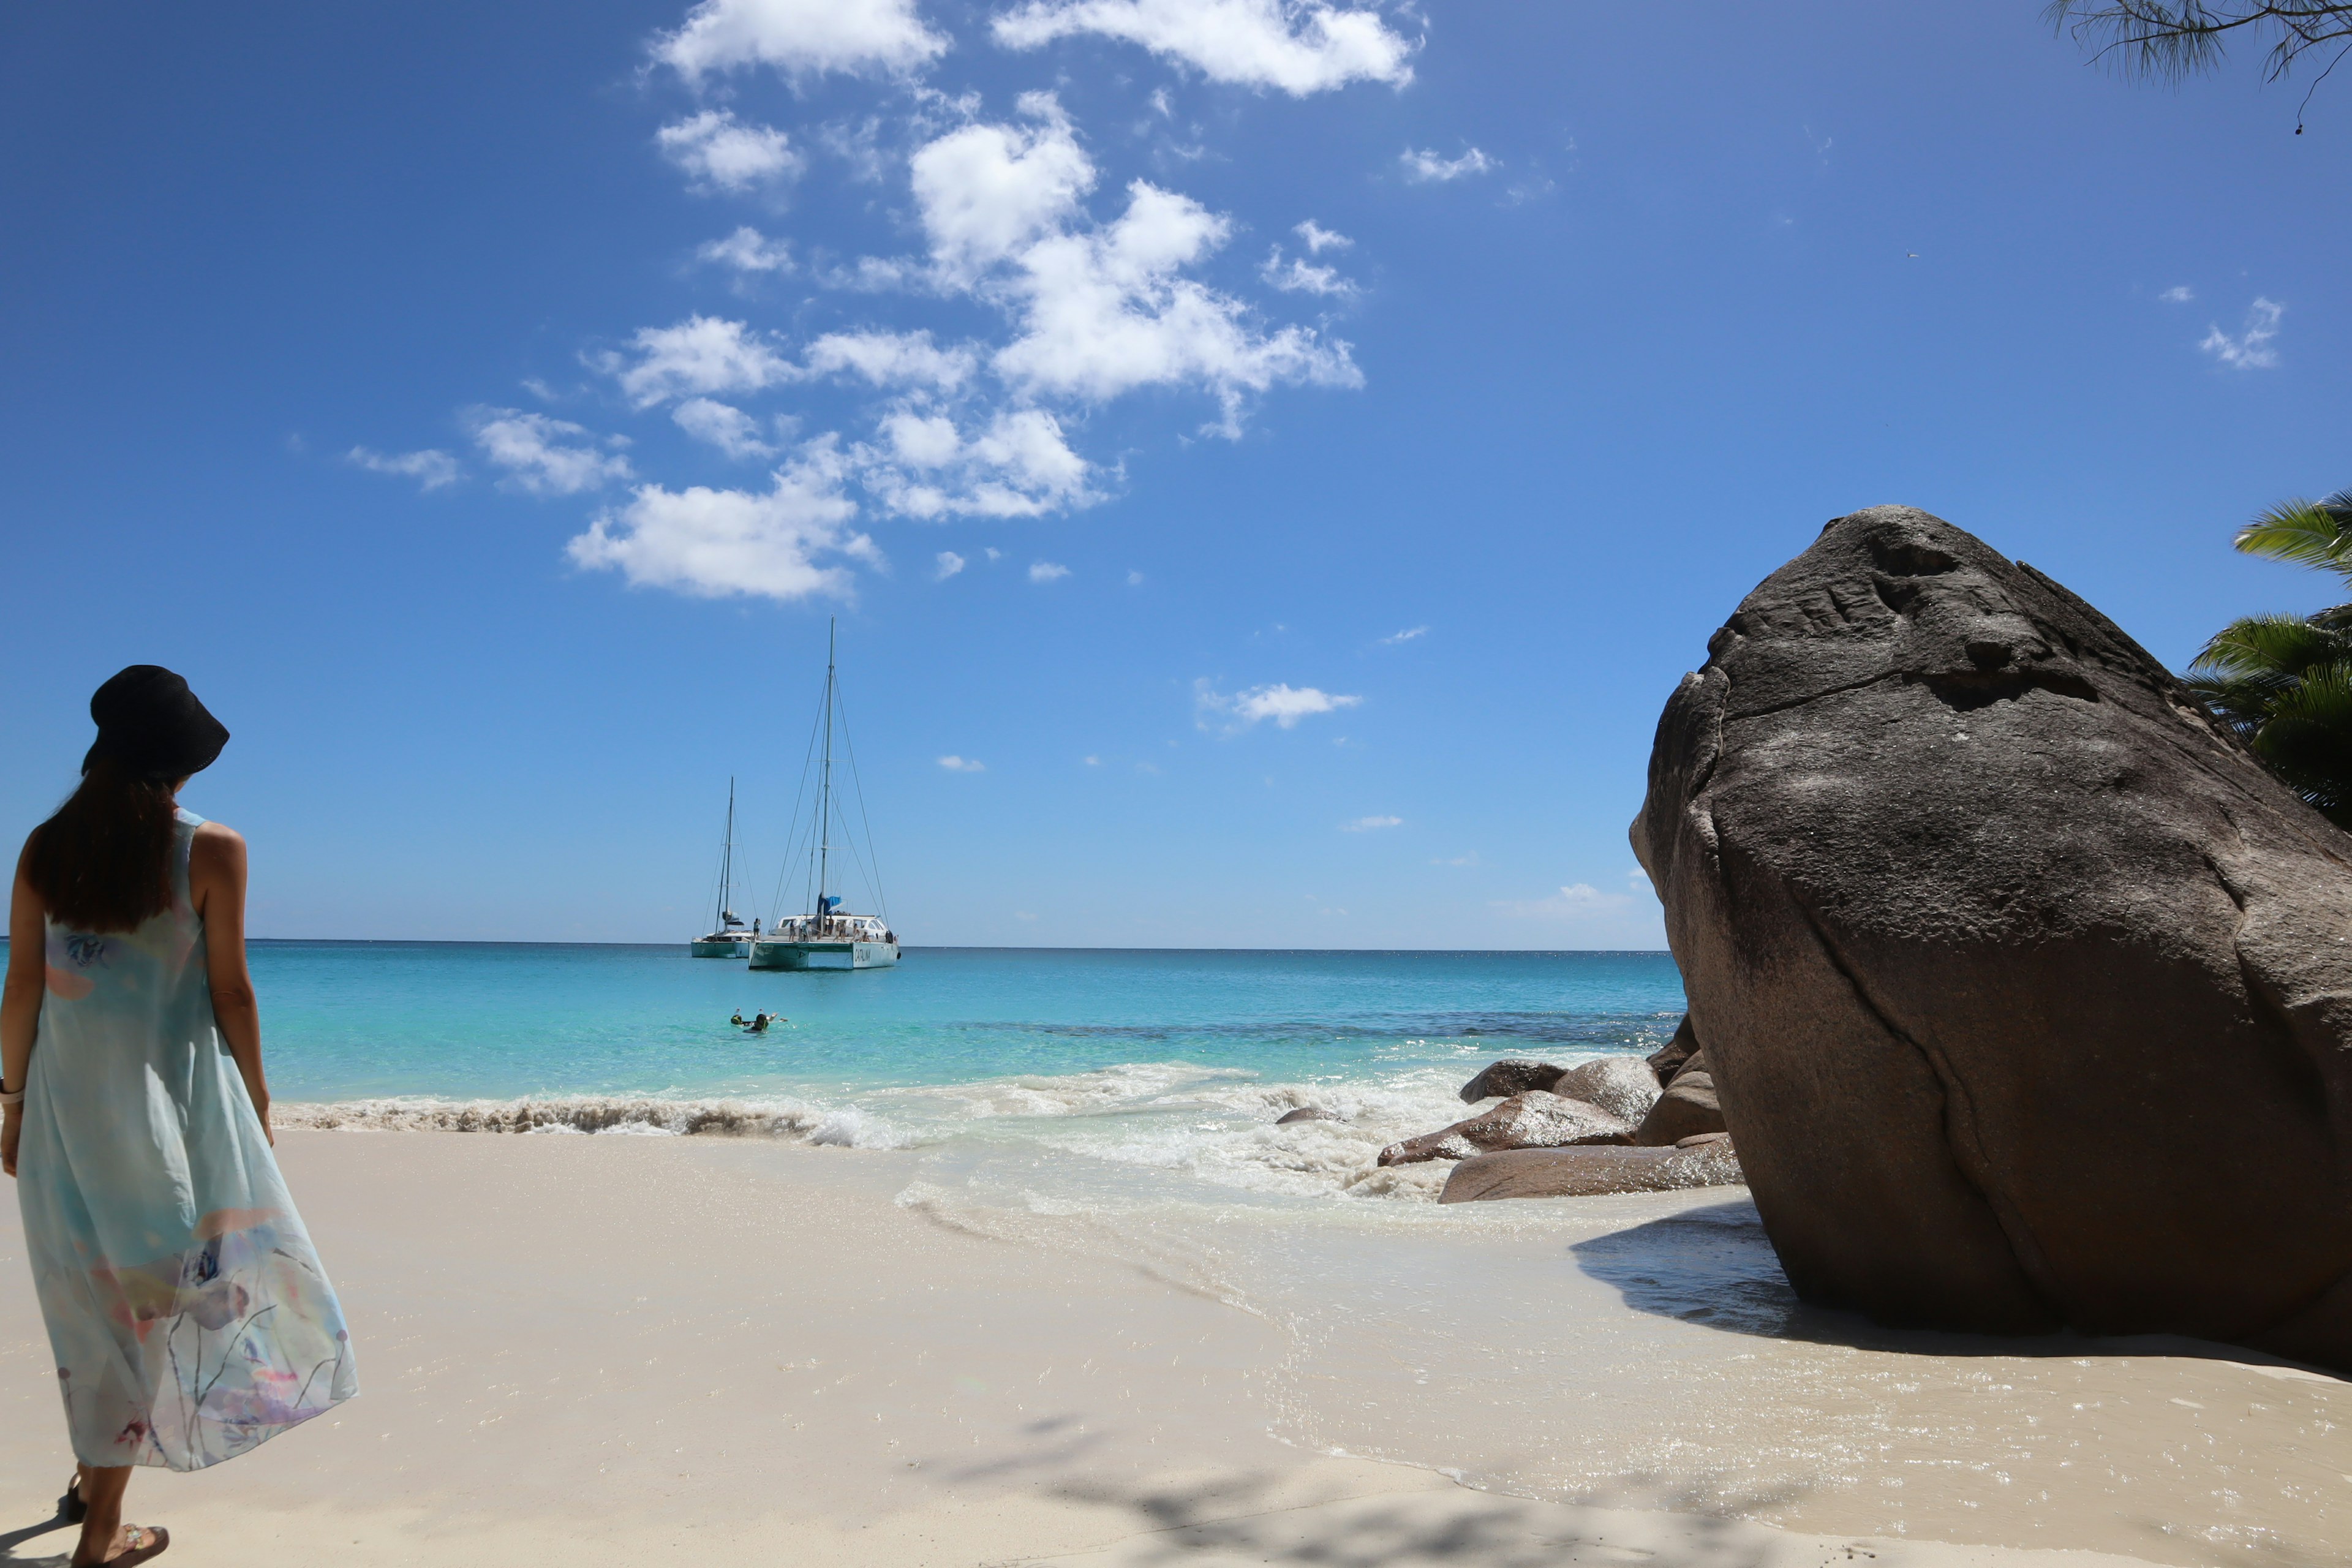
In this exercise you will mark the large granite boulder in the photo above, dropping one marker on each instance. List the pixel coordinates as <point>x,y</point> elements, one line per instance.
<point>1535,1120</point>
<point>2026,992</point>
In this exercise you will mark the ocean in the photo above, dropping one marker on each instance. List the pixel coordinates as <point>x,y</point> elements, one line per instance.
<point>1174,1060</point>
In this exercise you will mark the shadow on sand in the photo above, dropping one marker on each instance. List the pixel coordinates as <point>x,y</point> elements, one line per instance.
<point>11,1540</point>
<point>1239,1519</point>
<point>1716,1267</point>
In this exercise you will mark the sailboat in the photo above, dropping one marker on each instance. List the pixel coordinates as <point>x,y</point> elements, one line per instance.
<point>732,939</point>
<point>830,935</point>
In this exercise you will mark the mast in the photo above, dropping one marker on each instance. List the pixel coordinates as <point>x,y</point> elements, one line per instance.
<point>727,860</point>
<point>824,784</point>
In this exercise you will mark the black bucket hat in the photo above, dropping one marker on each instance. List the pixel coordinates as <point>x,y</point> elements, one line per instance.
<point>152,724</point>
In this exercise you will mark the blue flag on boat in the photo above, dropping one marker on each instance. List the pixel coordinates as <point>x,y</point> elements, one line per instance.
<point>829,903</point>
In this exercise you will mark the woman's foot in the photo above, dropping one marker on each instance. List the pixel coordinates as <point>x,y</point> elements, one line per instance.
<point>132,1543</point>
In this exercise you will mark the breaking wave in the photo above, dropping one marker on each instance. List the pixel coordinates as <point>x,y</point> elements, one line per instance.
<point>1216,1125</point>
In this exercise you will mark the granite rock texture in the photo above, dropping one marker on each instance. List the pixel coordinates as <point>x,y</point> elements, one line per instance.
<point>1582,1173</point>
<point>1688,1108</point>
<point>2027,993</point>
<point>1509,1076</point>
<point>1535,1120</point>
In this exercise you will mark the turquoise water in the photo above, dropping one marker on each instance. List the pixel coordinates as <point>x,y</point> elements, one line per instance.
<point>351,1020</point>
<point>1157,1062</point>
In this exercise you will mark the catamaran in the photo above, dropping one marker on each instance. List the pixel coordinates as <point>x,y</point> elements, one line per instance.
<point>830,936</point>
<point>732,939</point>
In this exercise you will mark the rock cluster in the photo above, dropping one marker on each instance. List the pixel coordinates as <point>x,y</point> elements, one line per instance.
<point>1536,1119</point>
<point>2025,990</point>
<point>1582,1120</point>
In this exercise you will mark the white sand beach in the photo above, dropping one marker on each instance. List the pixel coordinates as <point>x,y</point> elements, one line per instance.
<point>620,1350</point>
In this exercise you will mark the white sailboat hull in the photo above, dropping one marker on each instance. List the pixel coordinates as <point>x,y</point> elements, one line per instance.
<point>823,955</point>
<point>720,947</point>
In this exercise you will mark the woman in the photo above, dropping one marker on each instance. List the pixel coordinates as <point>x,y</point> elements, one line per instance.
<point>187,1311</point>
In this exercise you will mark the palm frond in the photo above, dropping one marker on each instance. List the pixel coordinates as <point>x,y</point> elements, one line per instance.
<point>2307,740</point>
<point>2260,647</point>
<point>2303,534</point>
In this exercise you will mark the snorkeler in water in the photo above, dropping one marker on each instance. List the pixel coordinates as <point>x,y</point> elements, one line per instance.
<point>737,1019</point>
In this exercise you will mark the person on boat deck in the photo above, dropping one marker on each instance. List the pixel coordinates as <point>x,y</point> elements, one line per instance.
<point>186,1311</point>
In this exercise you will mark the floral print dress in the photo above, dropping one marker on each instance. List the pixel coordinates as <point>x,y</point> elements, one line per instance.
<point>188,1314</point>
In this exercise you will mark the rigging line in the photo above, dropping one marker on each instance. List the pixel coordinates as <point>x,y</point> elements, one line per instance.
<point>871,874</point>
<point>858,785</point>
<point>791,844</point>
<point>873,883</point>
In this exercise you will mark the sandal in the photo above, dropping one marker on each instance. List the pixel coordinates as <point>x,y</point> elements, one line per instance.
<point>70,1507</point>
<point>141,1543</point>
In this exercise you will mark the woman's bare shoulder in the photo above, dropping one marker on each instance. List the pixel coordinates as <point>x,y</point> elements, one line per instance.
<point>216,842</point>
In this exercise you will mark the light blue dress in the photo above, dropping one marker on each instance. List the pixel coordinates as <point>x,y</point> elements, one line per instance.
<point>188,1314</point>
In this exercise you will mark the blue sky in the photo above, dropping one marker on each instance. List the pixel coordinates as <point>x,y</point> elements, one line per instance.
<point>1283,454</point>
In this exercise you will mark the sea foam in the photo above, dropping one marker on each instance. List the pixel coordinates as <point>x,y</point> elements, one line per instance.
<point>1216,1125</point>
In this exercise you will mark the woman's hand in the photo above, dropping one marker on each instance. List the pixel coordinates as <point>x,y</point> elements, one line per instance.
<point>12,1132</point>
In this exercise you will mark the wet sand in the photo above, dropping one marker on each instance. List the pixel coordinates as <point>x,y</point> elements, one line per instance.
<point>628,1350</point>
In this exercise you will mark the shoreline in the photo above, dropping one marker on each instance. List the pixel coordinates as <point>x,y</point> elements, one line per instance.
<point>611,1350</point>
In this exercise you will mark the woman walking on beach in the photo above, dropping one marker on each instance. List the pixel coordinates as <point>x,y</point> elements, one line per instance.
<point>188,1314</point>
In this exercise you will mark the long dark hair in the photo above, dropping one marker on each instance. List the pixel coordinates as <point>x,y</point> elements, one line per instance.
<point>103,863</point>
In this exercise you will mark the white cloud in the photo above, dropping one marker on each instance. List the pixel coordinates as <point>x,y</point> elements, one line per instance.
<point>1018,465</point>
<point>1105,313</point>
<point>1100,308</point>
<point>1577,901</point>
<point>724,153</point>
<point>872,275</point>
<point>2250,349</point>
<point>1319,239</point>
<point>699,354</point>
<point>1370,824</point>
<point>430,469</point>
<point>1296,46</point>
<point>714,543</point>
<point>963,765</point>
<point>986,191</point>
<point>543,456</point>
<point>892,359</point>
<point>1047,571</point>
<point>1285,704</point>
<point>1135,579</point>
<point>1469,859</point>
<point>748,250</point>
<point>799,37</point>
<point>2180,294</point>
<point>1405,635</point>
<point>726,428</point>
<point>950,564</point>
<point>1295,275</point>
<point>1423,165</point>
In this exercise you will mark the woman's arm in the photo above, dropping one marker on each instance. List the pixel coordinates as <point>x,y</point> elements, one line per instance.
<point>20,1004</point>
<point>217,888</point>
